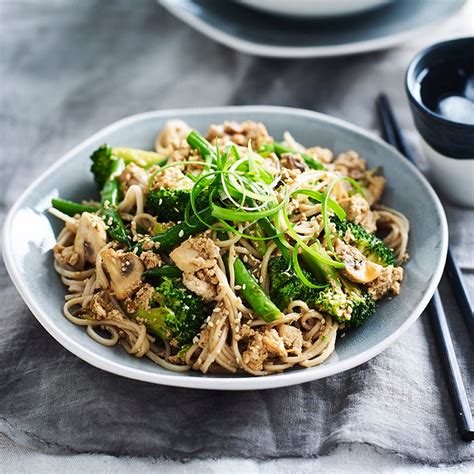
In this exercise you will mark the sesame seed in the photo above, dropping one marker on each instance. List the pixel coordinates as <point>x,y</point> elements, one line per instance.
<point>181,233</point>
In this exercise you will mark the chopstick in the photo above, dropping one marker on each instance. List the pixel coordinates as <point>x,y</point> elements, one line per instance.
<point>393,135</point>
<point>460,292</point>
<point>462,411</point>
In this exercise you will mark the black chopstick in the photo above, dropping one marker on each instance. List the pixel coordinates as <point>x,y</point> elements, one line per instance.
<point>462,410</point>
<point>393,135</point>
<point>460,292</point>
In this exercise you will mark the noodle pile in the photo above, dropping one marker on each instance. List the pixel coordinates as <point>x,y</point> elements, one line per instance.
<point>232,327</point>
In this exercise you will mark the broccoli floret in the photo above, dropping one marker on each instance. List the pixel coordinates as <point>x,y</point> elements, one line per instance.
<point>346,303</point>
<point>101,164</point>
<point>285,286</point>
<point>177,314</point>
<point>369,244</point>
<point>105,155</point>
<point>170,204</point>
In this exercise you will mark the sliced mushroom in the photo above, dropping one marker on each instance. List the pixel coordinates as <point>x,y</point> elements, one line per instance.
<point>293,161</point>
<point>356,267</point>
<point>90,237</point>
<point>125,271</point>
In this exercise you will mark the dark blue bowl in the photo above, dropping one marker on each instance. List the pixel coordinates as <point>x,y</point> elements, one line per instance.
<point>437,71</point>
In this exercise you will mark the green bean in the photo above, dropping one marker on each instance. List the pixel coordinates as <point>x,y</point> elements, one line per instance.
<point>180,232</point>
<point>279,149</point>
<point>109,198</point>
<point>72,208</point>
<point>253,293</point>
<point>169,271</point>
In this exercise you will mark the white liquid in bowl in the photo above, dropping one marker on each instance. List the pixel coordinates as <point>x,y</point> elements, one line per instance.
<point>314,8</point>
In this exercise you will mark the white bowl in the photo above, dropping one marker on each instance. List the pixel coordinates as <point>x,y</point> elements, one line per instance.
<point>29,260</point>
<point>314,8</point>
<point>453,177</point>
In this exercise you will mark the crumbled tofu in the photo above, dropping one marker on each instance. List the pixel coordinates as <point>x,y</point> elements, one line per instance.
<point>388,282</point>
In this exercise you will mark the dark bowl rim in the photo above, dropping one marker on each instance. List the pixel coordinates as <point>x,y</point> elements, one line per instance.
<point>409,76</point>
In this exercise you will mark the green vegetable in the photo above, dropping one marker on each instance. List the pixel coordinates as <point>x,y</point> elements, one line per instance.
<point>346,302</point>
<point>243,216</point>
<point>72,208</point>
<point>340,298</point>
<point>259,244</point>
<point>253,294</point>
<point>104,156</point>
<point>177,314</point>
<point>180,232</point>
<point>368,244</point>
<point>198,142</point>
<point>170,204</point>
<point>279,149</point>
<point>309,253</point>
<point>320,196</point>
<point>109,198</point>
<point>269,229</point>
<point>285,286</point>
<point>169,271</point>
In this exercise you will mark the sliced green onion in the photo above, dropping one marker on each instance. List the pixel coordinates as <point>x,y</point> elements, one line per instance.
<point>357,187</point>
<point>299,271</point>
<point>319,196</point>
<point>233,229</point>
<point>291,231</point>
<point>324,212</point>
<point>243,216</point>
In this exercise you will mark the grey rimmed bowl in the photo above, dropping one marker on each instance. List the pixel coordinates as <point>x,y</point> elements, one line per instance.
<point>407,190</point>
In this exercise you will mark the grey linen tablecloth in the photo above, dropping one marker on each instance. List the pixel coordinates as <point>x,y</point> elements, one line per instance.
<point>68,69</point>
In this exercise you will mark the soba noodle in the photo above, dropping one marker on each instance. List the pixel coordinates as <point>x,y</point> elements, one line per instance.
<point>221,344</point>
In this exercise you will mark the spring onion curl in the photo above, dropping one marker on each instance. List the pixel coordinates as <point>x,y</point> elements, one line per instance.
<point>232,261</point>
<point>235,188</point>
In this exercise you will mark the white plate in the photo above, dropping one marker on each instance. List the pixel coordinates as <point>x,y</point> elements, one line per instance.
<point>28,255</point>
<point>262,34</point>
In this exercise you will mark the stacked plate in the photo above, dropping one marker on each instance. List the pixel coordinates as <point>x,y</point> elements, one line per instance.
<point>310,28</point>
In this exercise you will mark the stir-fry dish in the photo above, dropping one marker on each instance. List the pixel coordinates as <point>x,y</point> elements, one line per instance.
<point>229,253</point>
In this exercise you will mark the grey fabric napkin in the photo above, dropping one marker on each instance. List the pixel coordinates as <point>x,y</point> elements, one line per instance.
<point>70,68</point>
